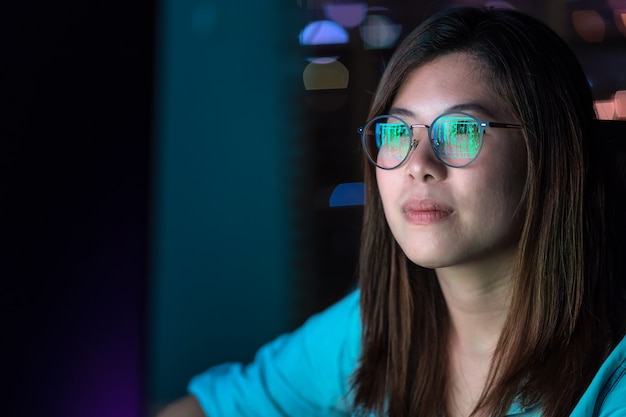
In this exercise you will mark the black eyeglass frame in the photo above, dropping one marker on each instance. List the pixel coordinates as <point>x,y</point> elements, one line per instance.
<point>482,125</point>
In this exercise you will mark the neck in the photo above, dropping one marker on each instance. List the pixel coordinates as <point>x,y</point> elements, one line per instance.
<point>477,297</point>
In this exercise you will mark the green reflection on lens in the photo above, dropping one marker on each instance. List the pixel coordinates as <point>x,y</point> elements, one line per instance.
<point>392,140</point>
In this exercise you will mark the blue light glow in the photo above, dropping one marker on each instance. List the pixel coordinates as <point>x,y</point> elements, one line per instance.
<point>323,32</point>
<point>348,194</point>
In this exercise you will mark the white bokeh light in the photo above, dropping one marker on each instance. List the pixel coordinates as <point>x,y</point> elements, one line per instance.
<point>379,32</point>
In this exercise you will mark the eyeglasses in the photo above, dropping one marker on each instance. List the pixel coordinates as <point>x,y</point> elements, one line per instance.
<point>455,138</point>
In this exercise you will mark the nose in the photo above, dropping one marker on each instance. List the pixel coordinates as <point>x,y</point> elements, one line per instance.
<point>422,164</point>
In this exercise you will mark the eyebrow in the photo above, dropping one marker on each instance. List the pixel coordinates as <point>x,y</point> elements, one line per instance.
<point>472,106</point>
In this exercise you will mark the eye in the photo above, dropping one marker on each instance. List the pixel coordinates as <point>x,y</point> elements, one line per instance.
<point>456,136</point>
<point>391,134</point>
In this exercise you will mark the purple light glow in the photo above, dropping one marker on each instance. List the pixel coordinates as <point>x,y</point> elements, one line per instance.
<point>104,380</point>
<point>347,15</point>
<point>616,4</point>
<point>99,369</point>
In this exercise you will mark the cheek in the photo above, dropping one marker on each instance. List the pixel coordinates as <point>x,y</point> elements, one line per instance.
<point>383,184</point>
<point>387,184</point>
<point>514,175</point>
<point>512,157</point>
<point>491,190</point>
<point>505,171</point>
<point>500,201</point>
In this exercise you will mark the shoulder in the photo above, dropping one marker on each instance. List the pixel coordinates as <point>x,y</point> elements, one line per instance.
<point>332,334</point>
<point>343,312</point>
<point>606,395</point>
<point>304,373</point>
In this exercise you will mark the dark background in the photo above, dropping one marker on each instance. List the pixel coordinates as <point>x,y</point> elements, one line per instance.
<point>76,151</point>
<point>76,91</point>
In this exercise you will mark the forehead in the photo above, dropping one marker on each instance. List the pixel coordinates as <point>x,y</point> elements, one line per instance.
<point>447,82</point>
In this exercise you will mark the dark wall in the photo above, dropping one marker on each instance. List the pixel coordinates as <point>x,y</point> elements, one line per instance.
<point>75,131</point>
<point>229,164</point>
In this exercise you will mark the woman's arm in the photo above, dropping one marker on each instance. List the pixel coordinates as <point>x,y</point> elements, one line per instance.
<point>186,406</point>
<point>305,373</point>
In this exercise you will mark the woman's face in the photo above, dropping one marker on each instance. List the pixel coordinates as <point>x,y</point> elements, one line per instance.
<point>446,217</point>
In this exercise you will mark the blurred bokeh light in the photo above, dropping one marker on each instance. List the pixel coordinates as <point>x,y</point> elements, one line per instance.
<point>589,25</point>
<point>347,15</point>
<point>325,75</point>
<point>379,32</point>
<point>323,32</point>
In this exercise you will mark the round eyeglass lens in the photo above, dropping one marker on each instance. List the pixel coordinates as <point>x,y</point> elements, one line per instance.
<point>387,141</point>
<point>456,139</point>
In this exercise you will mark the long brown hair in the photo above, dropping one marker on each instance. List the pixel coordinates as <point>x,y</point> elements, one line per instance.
<point>566,309</point>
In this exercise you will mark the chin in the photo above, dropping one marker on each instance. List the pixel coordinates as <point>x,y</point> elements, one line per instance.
<point>425,262</point>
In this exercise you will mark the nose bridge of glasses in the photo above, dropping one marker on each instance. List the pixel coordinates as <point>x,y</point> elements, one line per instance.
<point>415,132</point>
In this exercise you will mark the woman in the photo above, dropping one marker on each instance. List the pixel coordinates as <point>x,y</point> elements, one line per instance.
<point>491,281</point>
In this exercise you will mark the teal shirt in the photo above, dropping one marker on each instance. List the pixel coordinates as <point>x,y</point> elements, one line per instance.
<point>307,374</point>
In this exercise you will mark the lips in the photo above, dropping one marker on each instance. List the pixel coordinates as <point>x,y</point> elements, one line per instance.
<point>425,211</point>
